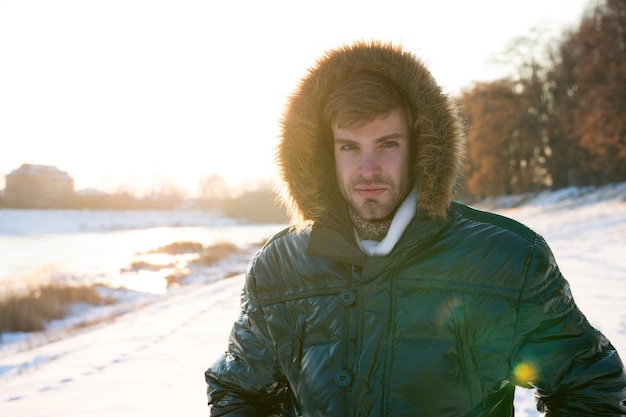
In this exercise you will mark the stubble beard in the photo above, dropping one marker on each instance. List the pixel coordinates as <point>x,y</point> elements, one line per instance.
<point>372,218</point>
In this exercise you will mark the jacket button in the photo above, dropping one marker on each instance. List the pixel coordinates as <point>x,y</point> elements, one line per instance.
<point>346,297</point>
<point>343,378</point>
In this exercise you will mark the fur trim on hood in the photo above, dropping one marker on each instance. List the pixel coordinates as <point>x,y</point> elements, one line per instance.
<point>304,154</point>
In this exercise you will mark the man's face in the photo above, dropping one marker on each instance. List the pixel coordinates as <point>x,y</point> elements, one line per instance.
<point>372,164</point>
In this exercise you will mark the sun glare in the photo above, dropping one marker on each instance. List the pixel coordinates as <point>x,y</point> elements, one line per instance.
<point>524,372</point>
<point>153,282</point>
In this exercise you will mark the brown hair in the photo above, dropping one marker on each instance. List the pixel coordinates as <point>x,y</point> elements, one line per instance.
<point>360,99</point>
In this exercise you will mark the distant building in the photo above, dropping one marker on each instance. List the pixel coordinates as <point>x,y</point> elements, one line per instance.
<point>38,186</point>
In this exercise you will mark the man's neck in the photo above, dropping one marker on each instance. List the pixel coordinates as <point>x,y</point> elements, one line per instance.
<point>378,238</point>
<point>369,229</point>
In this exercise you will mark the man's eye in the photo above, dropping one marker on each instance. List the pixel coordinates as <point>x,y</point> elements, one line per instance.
<point>389,144</point>
<point>347,147</point>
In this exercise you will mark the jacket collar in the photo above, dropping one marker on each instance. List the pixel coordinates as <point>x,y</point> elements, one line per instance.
<point>334,239</point>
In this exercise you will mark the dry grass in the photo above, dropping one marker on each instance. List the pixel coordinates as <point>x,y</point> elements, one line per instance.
<point>137,265</point>
<point>206,256</point>
<point>178,248</point>
<point>214,253</point>
<point>176,278</point>
<point>31,310</point>
<point>30,306</point>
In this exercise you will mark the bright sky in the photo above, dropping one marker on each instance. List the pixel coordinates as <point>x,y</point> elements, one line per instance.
<point>132,90</point>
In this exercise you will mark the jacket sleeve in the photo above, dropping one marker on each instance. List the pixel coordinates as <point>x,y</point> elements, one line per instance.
<point>573,368</point>
<point>244,381</point>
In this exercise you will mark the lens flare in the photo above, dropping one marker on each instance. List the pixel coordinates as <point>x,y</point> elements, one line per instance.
<point>524,372</point>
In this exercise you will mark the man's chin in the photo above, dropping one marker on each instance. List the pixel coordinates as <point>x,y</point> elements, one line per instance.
<point>375,215</point>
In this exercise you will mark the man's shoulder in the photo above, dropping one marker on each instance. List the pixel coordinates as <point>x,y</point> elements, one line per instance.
<point>283,248</point>
<point>495,220</point>
<point>285,236</point>
<point>283,269</point>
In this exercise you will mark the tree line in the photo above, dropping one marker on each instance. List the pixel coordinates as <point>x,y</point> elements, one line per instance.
<point>560,119</point>
<point>256,205</point>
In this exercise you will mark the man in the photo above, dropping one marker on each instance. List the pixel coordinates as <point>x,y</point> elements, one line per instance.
<point>386,298</point>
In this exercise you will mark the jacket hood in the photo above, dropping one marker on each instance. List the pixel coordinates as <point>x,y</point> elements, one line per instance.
<point>304,154</point>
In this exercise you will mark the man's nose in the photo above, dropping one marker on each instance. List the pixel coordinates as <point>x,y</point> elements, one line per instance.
<point>370,165</point>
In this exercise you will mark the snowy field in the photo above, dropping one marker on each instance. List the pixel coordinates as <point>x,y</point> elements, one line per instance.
<point>150,361</point>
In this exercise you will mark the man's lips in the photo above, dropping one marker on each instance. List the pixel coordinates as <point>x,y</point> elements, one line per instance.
<point>370,191</point>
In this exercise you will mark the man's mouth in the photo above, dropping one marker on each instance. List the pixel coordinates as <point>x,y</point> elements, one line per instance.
<point>370,191</point>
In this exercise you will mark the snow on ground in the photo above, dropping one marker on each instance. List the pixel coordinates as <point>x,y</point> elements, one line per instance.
<point>146,363</point>
<point>150,362</point>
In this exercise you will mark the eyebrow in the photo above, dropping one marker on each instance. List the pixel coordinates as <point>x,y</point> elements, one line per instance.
<point>393,135</point>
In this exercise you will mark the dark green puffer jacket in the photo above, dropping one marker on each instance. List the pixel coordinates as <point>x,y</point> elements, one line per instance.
<point>466,306</point>
<point>461,311</point>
